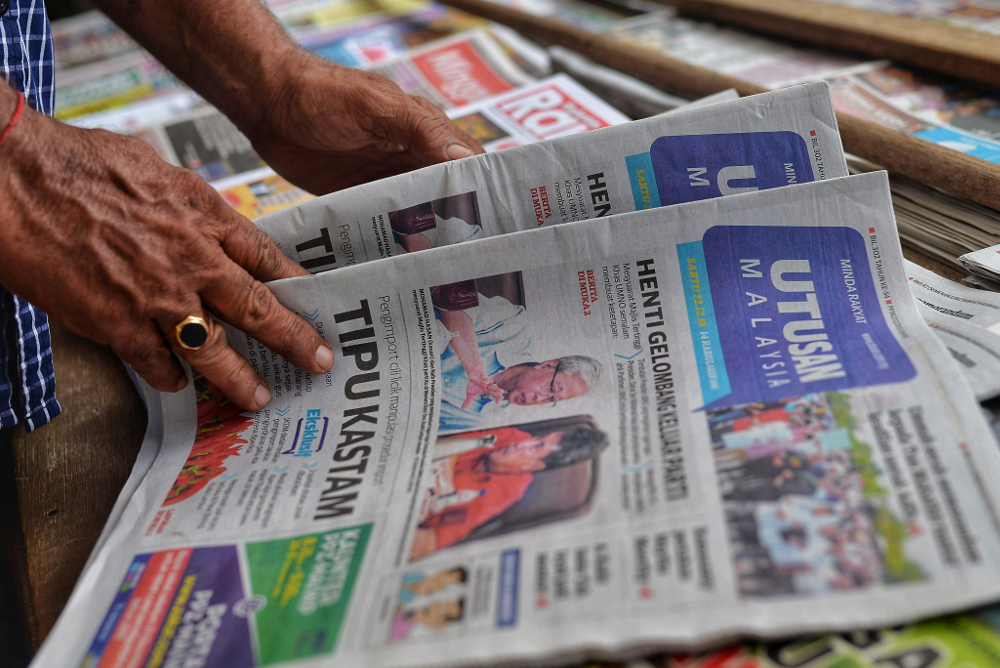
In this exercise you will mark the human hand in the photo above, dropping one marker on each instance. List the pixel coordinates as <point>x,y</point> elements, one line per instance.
<point>480,386</point>
<point>119,246</point>
<point>328,127</point>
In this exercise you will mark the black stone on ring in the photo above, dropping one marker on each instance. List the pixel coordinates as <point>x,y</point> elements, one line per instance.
<point>192,332</point>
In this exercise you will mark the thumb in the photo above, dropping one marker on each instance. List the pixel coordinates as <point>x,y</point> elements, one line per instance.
<point>427,133</point>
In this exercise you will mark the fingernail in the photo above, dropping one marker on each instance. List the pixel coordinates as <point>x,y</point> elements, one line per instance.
<point>456,151</point>
<point>324,358</point>
<point>261,396</point>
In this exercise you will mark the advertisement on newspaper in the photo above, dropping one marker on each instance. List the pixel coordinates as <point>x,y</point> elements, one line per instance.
<point>519,455</point>
<point>774,139</point>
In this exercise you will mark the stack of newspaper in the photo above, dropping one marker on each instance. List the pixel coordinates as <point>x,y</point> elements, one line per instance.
<point>616,388</point>
<point>955,114</point>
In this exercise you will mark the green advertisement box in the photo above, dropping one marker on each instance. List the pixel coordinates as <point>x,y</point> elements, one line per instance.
<point>307,583</point>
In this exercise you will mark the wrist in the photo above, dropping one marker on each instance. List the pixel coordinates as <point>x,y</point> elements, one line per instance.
<point>268,76</point>
<point>286,79</point>
<point>11,101</point>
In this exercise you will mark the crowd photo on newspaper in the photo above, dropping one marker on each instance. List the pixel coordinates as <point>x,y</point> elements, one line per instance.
<point>648,382</point>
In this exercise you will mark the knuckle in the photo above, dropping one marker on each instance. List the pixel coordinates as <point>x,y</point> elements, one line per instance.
<point>146,354</point>
<point>294,334</point>
<point>258,304</point>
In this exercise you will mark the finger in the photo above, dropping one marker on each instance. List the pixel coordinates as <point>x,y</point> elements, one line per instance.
<point>250,248</point>
<point>222,365</point>
<point>426,131</point>
<point>247,304</point>
<point>150,357</point>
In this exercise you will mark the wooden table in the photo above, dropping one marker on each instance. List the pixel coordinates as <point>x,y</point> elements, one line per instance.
<point>62,480</point>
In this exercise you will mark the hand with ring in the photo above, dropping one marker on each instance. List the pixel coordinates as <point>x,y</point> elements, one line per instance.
<point>130,251</point>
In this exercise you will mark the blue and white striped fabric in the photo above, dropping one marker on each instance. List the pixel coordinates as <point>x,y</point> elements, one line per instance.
<point>27,380</point>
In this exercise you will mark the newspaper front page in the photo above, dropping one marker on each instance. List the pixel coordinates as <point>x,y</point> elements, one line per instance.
<point>651,430</point>
<point>765,141</point>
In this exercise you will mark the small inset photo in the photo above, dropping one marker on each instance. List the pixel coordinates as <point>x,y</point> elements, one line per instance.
<point>429,602</point>
<point>439,222</point>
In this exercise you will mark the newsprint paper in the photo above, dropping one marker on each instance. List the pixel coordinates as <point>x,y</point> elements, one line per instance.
<point>652,430</point>
<point>765,141</point>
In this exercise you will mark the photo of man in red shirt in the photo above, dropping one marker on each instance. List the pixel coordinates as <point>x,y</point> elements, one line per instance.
<point>470,488</point>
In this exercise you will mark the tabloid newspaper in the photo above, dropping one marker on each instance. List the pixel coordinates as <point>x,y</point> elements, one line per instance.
<point>764,141</point>
<point>188,133</point>
<point>651,430</point>
<point>455,71</point>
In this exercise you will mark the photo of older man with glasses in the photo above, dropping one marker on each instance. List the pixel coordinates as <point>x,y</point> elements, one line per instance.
<point>488,366</point>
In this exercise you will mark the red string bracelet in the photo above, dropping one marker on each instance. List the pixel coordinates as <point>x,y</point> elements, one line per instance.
<point>15,118</point>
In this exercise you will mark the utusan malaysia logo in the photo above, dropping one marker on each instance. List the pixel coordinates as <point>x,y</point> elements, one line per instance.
<point>309,434</point>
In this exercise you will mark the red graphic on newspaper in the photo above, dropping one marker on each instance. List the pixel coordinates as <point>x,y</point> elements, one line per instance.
<point>548,112</point>
<point>220,426</point>
<point>460,73</point>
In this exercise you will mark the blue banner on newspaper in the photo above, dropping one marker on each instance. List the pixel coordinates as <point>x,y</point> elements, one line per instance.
<point>695,167</point>
<point>640,173</point>
<point>701,317</point>
<point>507,586</point>
<point>802,314</point>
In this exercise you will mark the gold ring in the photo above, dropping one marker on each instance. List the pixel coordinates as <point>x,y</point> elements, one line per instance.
<point>193,332</point>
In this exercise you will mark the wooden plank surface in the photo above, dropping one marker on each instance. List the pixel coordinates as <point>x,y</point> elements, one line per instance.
<point>67,476</point>
<point>954,51</point>
<point>944,168</point>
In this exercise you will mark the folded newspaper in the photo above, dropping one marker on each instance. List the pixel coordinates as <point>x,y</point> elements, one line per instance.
<point>652,430</point>
<point>967,321</point>
<point>759,142</point>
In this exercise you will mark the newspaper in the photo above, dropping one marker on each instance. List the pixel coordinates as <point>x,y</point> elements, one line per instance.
<point>132,117</point>
<point>110,83</point>
<point>597,17</point>
<point>490,123</point>
<point>981,15</point>
<point>260,192</point>
<point>455,71</point>
<point>647,482</point>
<point>204,141</point>
<point>968,323</point>
<point>742,55</point>
<point>954,114</point>
<point>370,39</point>
<point>764,141</point>
<point>87,38</point>
<point>984,262</point>
<point>939,225</point>
<point>970,640</point>
<point>635,98</point>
